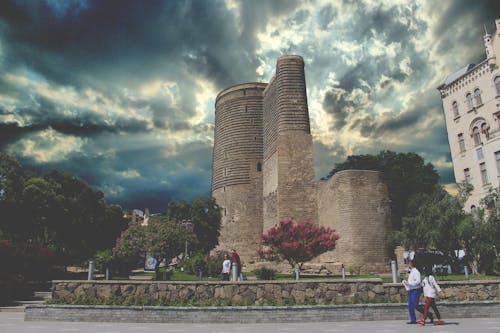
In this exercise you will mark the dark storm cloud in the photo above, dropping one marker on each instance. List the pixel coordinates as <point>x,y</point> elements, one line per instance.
<point>336,103</point>
<point>95,60</point>
<point>373,126</point>
<point>135,37</point>
<point>325,16</point>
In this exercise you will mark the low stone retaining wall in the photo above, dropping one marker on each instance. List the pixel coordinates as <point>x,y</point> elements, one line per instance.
<point>257,293</point>
<point>251,314</point>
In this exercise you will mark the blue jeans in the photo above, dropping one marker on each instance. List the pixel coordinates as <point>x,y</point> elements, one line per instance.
<point>413,296</point>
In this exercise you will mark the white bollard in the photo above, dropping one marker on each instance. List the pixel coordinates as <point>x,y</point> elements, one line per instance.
<point>235,272</point>
<point>394,271</point>
<point>91,271</point>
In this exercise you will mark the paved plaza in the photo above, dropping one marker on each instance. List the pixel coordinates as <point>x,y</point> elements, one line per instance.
<point>13,322</point>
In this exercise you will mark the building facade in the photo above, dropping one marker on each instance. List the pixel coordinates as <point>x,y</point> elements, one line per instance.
<point>471,104</point>
<point>263,173</point>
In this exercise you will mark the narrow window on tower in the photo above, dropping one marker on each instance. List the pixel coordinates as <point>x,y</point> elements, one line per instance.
<point>477,97</point>
<point>484,173</point>
<point>485,129</point>
<point>461,142</point>
<point>468,97</point>
<point>467,175</point>
<point>476,136</point>
<point>259,167</point>
<point>454,106</point>
<point>497,84</point>
<point>497,158</point>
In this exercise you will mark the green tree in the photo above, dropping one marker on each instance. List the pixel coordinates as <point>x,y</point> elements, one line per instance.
<point>406,174</point>
<point>480,234</point>
<point>160,238</point>
<point>432,223</point>
<point>56,211</point>
<point>12,177</point>
<point>204,216</point>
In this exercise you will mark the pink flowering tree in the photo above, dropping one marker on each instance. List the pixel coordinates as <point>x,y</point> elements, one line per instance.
<point>296,242</point>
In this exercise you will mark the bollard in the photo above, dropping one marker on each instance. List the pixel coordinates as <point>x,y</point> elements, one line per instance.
<point>297,274</point>
<point>394,271</point>
<point>107,273</point>
<point>343,272</point>
<point>91,270</point>
<point>466,270</point>
<point>235,272</point>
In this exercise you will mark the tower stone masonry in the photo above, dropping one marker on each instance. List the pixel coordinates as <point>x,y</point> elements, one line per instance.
<point>263,172</point>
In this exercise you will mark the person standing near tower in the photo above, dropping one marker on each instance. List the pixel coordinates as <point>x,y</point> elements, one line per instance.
<point>236,263</point>
<point>226,268</point>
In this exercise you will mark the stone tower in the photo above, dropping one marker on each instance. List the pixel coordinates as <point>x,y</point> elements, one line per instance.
<point>289,188</point>
<point>237,166</point>
<point>263,172</point>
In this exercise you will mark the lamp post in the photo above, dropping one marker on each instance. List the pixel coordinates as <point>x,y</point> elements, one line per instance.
<point>189,226</point>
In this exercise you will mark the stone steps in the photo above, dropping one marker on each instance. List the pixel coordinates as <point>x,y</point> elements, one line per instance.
<point>38,298</point>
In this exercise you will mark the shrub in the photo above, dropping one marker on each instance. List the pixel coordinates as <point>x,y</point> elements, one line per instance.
<point>209,265</point>
<point>265,273</point>
<point>193,264</point>
<point>214,264</point>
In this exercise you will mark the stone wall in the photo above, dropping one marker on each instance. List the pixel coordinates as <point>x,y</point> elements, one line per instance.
<point>262,292</point>
<point>356,204</point>
<point>251,314</point>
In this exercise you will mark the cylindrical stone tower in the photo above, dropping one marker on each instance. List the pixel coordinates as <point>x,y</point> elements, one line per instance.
<point>289,186</point>
<point>356,204</point>
<point>237,167</point>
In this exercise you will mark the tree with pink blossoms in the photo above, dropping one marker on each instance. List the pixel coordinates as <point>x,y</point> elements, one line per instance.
<point>296,243</point>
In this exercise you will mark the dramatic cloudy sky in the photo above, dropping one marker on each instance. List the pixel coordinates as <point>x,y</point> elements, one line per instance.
<point>121,93</point>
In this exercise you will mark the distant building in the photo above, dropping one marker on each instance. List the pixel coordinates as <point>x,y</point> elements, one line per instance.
<point>471,103</point>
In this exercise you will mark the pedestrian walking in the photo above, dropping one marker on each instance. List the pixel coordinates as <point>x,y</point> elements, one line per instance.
<point>431,290</point>
<point>413,285</point>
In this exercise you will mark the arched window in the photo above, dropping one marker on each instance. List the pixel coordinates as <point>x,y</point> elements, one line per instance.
<point>485,129</point>
<point>497,84</point>
<point>477,97</point>
<point>476,136</point>
<point>469,101</point>
<point>454,106</point>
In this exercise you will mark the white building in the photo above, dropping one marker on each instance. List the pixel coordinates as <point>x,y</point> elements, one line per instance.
<point>471,103</point>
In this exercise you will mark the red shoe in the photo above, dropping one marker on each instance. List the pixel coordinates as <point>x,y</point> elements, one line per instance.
<point>421,322</point>
<point>439,322</point>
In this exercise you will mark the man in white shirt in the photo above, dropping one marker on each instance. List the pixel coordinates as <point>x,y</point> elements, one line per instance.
<point>226,268</point>
<point>413,285</point>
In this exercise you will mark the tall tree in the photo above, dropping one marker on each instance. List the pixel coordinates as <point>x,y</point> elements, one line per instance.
<point>480,234</point>
<point>161,238</point>
<point>406,174</point>
<point>432,223</point>
<point>56,210</point>
<point>204,216</point>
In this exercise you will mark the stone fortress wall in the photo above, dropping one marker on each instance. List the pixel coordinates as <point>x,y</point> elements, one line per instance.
<point>263,172</point>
